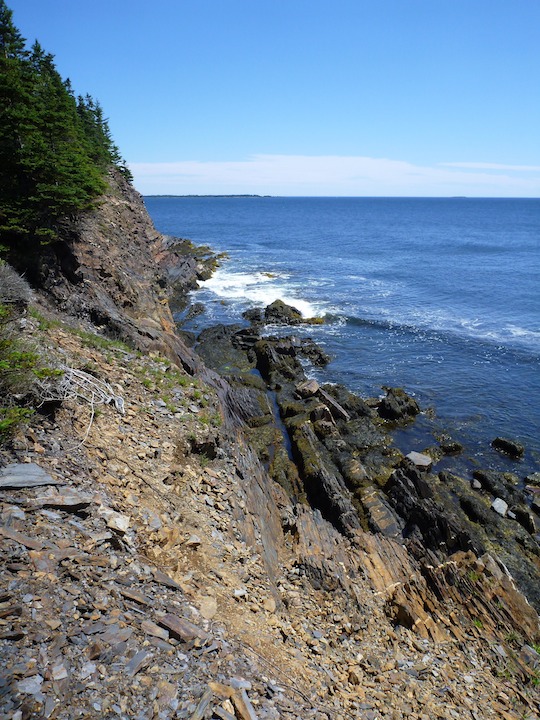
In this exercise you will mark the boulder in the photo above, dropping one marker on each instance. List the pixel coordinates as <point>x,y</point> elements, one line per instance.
<point>499,484</point>
<point>451,447</point>
<point>253,316</point>
<point>398,406</point>
<point>512,448</point>
<point>279,313</point>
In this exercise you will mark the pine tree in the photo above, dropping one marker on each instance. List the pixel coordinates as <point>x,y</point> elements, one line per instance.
<point>16,120</point>
<point>64,178</point>
<point>54,151</point>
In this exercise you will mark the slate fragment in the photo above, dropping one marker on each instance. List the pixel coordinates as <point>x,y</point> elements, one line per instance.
<point>25,475</point>
<point>182,629</point>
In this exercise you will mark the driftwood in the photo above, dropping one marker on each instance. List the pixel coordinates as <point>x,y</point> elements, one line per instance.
<point>80,386</point>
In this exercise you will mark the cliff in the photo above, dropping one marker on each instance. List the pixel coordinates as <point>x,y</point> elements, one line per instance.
<point>165,555</point>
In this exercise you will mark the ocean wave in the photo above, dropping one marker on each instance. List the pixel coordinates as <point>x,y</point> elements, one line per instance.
<point>260,289</point>
<point>519,332</point>
<point>442,327</point>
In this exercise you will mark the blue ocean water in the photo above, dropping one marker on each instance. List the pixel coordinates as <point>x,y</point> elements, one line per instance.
<point>439,296</point>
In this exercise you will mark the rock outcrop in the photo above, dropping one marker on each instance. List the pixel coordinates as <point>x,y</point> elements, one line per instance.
<point>245,545</point>
<point>108,273</point>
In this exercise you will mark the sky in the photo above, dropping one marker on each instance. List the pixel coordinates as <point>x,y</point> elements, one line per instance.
<point>308,97</point>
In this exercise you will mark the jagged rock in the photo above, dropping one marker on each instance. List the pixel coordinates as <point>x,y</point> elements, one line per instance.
<point>181,628</point>
<point>307,388</point>
<point>398,406</point>
<point>437,525</point>
<point>323,484</point>
<point>526,519</point>
<point>381,517</point>
<point>195,310</point>
<point>512,448</point>
<point>530,656</point>
<point>334,407</point>
<point>133,650</point>
<point>500,484</point>
<point>478,511</point>
<point>533,478</point>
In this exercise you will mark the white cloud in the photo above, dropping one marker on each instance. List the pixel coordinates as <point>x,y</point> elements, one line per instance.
<point>335,175</point>
<point>493,166</point>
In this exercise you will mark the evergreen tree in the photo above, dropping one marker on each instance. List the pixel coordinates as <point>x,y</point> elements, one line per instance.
<point>16,118</point>
<point>65,180</point>
<point>54,151</point>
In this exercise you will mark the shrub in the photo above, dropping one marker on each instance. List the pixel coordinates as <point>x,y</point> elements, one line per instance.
<point>20,365</point>
<point>14,290</point>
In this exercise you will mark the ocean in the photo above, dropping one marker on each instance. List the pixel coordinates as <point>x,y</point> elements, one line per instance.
<point>439,296</point>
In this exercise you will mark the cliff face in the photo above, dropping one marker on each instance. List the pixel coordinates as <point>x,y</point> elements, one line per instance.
<point>108,274</point>
<point>169,568</point>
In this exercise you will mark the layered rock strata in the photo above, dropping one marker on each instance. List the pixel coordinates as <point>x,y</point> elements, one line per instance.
<point>246,544</point>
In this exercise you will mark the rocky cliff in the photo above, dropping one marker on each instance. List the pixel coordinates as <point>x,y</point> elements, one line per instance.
<point>182,544</point>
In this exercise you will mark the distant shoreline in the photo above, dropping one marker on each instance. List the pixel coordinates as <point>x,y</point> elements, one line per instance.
<point>208,196</point>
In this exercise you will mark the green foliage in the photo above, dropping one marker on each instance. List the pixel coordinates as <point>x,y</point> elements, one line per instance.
<point>11,418</point>
<point>54,150</point>
<point>22,368</point>
<point>16,365</point>
<point>98,342</point>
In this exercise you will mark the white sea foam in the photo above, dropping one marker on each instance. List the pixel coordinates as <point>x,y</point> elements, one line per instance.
<point>259,289</point>
<point>520,332</point>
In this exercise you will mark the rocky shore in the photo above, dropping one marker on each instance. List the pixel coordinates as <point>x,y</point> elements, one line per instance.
<point>226,538</point>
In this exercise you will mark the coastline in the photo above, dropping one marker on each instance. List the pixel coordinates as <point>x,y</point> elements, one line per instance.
<point>225,533</point>
<point>472,365</point>
<point>461,492</point>
<point>220,299</point>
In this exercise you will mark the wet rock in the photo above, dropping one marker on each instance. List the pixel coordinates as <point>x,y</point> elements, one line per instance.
<point>322,481</point>
<point>478,511</point>
<point>398,406</point>
<point>451,447</point>
<point>195,310</point>
<point>253,316</point>
<point>500,484</point>
<point>533,479</point>
<point>526,519</point>
<point>509,447</point>
<point>279,313</point>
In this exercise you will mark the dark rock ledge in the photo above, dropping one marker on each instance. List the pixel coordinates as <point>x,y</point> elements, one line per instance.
<point>333,450</point>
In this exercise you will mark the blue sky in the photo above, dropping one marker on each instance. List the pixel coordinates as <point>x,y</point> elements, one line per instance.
<point>309,97</point>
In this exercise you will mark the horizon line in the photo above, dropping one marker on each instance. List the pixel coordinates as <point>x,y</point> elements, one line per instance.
<point>358,197</point>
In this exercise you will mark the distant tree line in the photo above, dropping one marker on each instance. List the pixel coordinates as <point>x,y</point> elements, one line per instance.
<point>55,149</point>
